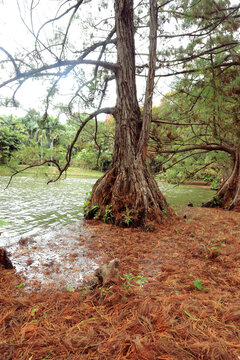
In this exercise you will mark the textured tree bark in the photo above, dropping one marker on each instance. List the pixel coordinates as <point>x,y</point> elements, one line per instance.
<point>228,196</point>
<point>128,193</point>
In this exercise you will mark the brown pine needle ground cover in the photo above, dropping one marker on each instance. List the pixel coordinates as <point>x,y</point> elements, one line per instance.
<point>187,308</point>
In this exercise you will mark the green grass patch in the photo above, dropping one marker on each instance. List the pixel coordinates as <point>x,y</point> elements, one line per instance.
<point>49,171</point>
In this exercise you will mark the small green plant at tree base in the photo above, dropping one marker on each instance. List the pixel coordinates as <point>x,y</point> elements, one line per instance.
<point>87,201</point>
<point>215,202</point>
<point>21,285</point>
<point>132,280</point>
<point>127,218</point>
<point>86,205</point>
<point>94,211</point>
<point>197,284</point>
<point>107,290</point>
<point>70,288</point>
<point>108,216</point>
<point>33,313</point>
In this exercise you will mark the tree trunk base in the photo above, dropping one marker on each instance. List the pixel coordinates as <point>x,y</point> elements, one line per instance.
<point>128,197</point>
<point>215,202</point>
<point>228,196</point>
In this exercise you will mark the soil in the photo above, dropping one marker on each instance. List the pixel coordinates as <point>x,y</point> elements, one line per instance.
<point>177,298</point>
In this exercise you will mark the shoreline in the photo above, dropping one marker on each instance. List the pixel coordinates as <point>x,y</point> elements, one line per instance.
<point>73,171</point>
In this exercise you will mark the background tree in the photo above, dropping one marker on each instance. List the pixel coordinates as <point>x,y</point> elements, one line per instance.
<point>95,146</point>
<point>213,126</point>
<point>30,122</point>
<point>203,108</point>
<point>12,134</point>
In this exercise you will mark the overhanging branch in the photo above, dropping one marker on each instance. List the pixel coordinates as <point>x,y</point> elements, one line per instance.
<point>61,170</point>
<point>39,72</point>
<point>69,153</point>
<point>203,147</point>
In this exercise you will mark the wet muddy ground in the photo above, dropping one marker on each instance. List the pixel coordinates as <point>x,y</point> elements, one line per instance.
<point>186,306</point>
<point>69,255</point>
<point>59,258</point>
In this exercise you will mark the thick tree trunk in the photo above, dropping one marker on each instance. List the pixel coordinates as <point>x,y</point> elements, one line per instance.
<point>128,193</point>
<point>228,196</point>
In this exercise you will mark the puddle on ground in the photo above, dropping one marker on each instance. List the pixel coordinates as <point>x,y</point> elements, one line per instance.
<point>56,257</point>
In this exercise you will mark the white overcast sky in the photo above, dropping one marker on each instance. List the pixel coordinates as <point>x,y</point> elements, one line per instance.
<point>14,35</point>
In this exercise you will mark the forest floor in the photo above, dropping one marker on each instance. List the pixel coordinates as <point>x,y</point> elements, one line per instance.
<point>178,297</point>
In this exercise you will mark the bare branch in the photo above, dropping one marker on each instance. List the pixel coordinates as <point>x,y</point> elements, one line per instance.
<point>32,166</point>
<point>39,72</point>
<point>176,123</point>
<point>58,17</point>
<point>180,160</point>
<point>69,153</point>
<point>69,24</point>
<point>203,147</point>
<point>11,59</point>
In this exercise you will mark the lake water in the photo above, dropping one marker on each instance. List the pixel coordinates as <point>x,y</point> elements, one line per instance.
<point>47,219</point>
<point>30,207</point>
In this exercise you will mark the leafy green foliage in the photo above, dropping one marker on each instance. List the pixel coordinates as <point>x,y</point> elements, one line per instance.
<point>197,284</point>
<point>95,149</point>
<point>108,216</point>
<point>21,285</point>
<point>70,288</point>
<point>132,280</point>
<point>127,218</point>
<point>204,106</point>
<point>12,134</point>
<point>29,140</point>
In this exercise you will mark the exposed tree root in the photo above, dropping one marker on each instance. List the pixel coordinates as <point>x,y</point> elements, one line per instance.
<point>228,196</point>
<point>128,197</point>
<point>4,259</point>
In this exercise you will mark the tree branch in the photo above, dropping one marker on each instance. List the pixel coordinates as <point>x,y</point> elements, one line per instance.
<point>175,123</point>
<point>31,166</point>
<point>59,64</point>
<point>11,59</point>
<point>69,153</point>
<point>203,147</point>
